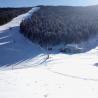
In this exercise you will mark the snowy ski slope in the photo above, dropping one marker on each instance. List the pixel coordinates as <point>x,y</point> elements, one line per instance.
<point>16,49</point>
<point>60,76</point>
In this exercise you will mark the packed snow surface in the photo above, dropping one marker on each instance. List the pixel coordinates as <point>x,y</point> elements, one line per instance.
<point>16,49</point>
<point>27,72</point>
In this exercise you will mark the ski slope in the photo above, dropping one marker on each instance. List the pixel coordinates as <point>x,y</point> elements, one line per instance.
<point>26,72</point>
<point>16,49</point>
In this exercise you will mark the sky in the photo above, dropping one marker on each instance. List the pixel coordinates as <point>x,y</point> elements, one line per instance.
<point>22,3</point>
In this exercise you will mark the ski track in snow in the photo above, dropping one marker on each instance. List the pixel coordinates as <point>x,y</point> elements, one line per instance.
<point>27,71</point>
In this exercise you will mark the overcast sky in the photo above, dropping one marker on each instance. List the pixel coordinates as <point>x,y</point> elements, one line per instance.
<point>21,3</point>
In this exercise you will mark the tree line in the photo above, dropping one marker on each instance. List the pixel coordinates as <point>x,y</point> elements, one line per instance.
<point>52,25</point>
<point>7,14</point>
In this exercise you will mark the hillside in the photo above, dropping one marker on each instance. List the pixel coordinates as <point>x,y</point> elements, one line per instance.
<point>16,49</point>
<point>29,71</point>
<point>52,25</point>
<point>7,14</point>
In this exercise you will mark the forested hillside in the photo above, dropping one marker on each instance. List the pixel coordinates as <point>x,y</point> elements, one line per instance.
<point>52,25</point>
<point>7,14</point>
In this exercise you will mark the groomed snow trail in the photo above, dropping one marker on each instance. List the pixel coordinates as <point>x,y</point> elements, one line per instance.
<point>15,50</point>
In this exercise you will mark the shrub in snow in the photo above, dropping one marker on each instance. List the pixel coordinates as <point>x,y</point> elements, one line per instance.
<point>53,25</point>
<point>96,64</point>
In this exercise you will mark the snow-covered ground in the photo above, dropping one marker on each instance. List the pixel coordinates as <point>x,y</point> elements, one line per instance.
<point>16,49</point>
<point>25,72</point>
